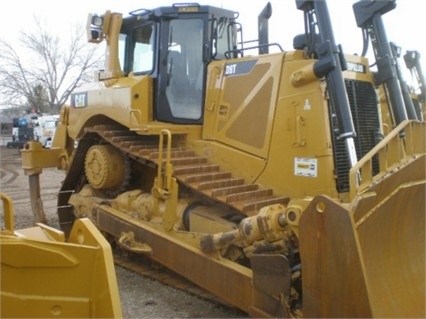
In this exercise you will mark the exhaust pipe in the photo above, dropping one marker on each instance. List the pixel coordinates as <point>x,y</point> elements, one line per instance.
<point>263,28</point>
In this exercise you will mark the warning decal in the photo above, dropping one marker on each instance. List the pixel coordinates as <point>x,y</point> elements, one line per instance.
<point>305,166</point>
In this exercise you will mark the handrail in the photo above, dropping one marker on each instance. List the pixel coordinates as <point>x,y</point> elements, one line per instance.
<point>168,169</point>
<point>165,186</point>
<point>404,142</point>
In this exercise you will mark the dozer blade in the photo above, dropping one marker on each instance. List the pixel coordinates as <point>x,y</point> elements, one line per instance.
<point>367,258</point>
<point>43,275</point>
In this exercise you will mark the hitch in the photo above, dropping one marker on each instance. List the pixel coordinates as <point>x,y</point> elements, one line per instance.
<point>34,159</point>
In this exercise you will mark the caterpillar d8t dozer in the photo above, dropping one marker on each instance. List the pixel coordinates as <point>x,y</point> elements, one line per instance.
<point>44,275</point>
<point>263,177</point>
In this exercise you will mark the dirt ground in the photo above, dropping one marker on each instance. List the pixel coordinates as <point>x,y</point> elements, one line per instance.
<point>141,297</point>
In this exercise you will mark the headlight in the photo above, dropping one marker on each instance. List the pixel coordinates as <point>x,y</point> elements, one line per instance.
<point>97,21</point>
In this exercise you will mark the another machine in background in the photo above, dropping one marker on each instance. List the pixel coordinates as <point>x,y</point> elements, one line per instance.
<point>45,129</point>
<point>22,130</point>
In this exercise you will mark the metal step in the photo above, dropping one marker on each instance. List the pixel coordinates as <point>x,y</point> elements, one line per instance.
<point>211,176</point>
<point>248,196</point>
<point>194,169</point>
<point>220,183</point>
<point>177,161</point>
<point>233,189</point>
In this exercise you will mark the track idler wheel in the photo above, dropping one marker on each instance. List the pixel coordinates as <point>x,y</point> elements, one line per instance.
<point>105,167</point>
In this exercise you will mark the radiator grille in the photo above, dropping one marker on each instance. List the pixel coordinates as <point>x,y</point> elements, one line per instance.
<point>365,115</point>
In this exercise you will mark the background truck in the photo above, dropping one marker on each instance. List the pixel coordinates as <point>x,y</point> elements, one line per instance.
<point>44,131</point>
<point>22,130</point>
<point>40,128</point>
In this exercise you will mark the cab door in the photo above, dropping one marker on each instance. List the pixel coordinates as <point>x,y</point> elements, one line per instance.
<point>182,67</point>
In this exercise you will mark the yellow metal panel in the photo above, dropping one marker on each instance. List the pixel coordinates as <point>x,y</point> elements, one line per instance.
<point>300,159</point>
<point>35,157</point>
<point>45,278</point>
<point>242,115</point>
<point>242,164</point>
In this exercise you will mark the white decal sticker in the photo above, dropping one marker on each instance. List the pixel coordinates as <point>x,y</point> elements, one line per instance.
<point>305,166</point>
<point>355,67</point>
<point>230,69</point>
<point>307,105</point>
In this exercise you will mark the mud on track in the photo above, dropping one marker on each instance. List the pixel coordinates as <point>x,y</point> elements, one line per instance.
<point>141,297</point>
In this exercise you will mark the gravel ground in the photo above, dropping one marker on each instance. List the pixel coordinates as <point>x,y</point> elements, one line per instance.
<point>141,297</point>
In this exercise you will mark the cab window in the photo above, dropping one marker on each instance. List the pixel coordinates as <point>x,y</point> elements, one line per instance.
<point>140,49</point>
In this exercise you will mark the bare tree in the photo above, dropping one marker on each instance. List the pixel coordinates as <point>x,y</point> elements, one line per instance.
<point>45,63</point>
<point>40,100</point>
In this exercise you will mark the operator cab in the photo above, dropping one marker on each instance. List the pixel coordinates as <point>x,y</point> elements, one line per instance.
<point>174,45</point>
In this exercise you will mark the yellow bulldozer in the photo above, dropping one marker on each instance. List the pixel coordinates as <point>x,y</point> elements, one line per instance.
<point>264,178</point>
